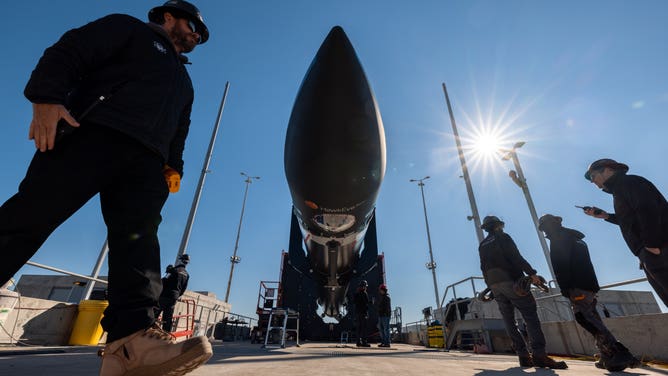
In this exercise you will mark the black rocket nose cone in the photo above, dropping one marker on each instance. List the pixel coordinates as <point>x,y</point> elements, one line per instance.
<point>336,36</point>
<point>337,46</point>
<point>335,134</point>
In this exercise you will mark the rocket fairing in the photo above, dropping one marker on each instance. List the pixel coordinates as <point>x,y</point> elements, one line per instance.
<point>334,164</point>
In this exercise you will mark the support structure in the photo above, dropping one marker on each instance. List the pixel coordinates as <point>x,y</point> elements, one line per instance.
<point>518,177</point>
<point>236,259</point>
<point>202,177</point>
<point>431,265</point>
<point>465,172</point>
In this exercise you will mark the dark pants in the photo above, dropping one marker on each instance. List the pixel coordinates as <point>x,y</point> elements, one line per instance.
<point>384,329</point>
<point>166,307</point>
<point>507,300</point>
<point>128,177</point>
<point>656,270</point>
<point>361,328</point>
<point>583,303</point>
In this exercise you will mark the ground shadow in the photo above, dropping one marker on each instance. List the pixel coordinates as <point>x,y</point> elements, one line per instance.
<point>40,329</point>
<point>516,371</point>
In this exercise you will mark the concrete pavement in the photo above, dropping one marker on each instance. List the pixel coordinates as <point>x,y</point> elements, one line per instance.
<point>313,359</point>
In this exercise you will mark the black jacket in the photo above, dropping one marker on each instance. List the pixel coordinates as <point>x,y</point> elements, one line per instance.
<point>384,305</point>
<point>361,300</point>
<point>175,283</point>
<point>641,212</point>
<point>570,260</point>
<point>500,260</point>
<point>132,63</point>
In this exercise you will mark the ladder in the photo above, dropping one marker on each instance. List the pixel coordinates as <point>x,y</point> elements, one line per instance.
<point>281,315</point>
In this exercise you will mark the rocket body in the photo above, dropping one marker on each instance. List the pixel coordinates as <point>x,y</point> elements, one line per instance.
<point>334,163</point>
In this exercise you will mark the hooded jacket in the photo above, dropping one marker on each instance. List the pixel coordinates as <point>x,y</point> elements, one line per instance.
<point>384,305</point>
<point>641,212</point>
<point>134,65</point>
<point>500,260</point>
<point>571,261</point>
<point>175,283</point>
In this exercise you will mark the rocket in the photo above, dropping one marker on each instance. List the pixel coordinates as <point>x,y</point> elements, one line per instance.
<point>334,164</point>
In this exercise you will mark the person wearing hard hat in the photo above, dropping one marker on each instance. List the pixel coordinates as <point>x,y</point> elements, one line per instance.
<point>578,283</point>
<point>641,212</point>
<point>361,301</point>
<point>384,314</point>
<point>111,111</point>
<point>174,284</point>
<point>502,265</point>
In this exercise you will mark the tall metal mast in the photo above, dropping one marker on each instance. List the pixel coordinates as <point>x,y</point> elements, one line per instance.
<point>202,177</point>
<point>465,172</point>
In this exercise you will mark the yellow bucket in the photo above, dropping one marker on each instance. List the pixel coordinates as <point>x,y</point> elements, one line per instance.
<point>435,334</point>
<point>87,329</point>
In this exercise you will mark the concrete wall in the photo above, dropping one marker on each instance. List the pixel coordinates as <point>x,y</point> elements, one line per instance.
<point>39,322</point>
<point>41,286</point>
<point>644,335</point>
<point>43,322</point>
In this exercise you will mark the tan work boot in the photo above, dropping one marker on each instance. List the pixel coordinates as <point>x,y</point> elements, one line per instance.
<point>153,352</point>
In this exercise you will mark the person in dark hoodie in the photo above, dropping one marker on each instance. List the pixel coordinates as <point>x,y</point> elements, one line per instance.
<point>173,287</point>
<point>578,283</point>
<point>111,105</point>
<point>361,301</point>
<point>384,314</point>
<point>502,265</point>
<point>641,212</point>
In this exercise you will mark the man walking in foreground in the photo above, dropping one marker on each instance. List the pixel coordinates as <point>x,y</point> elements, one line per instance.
<point>502,266</point>
<point>125,83</point>
<point>578,283</point>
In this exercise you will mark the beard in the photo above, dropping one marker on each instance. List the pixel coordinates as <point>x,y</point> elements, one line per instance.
<point>182,40</point>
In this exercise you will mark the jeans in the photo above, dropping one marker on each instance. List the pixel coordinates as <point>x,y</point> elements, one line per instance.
<point>508,300</point>
<point>384,329</point>
<point>128,177</point>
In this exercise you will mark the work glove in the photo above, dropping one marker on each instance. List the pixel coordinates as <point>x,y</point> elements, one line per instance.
<point>172,178</point>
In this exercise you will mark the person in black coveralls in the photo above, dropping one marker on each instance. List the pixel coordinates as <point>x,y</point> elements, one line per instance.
<point>173,287</point>
<point>578,283</point>
<point>361,300</point>
<point>641,212</point>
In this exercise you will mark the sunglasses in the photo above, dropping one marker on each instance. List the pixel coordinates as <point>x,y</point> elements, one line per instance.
<point>193,28</point>
<point>595,173</point>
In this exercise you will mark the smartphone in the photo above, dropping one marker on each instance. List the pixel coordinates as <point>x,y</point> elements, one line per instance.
<point>597,211</point>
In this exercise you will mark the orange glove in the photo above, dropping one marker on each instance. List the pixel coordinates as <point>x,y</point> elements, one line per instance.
<point>173,179</point>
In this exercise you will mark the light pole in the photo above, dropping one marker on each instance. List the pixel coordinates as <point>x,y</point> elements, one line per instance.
<point>431,265</point>
<point>236,259</point>
<point>517,177</point>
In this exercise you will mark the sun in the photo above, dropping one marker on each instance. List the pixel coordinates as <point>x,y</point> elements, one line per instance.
<point>487,144</point>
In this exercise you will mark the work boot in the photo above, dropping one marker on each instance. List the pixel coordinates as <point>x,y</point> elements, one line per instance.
<point>544,361</point>
<point>153,352</point>
<point>618,358</point>
<point>525,361</point>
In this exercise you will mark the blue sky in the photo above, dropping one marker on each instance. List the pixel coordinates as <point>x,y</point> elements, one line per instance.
<point>576,80</point>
